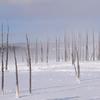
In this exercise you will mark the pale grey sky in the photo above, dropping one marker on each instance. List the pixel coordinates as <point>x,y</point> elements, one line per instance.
<point>49,17</point>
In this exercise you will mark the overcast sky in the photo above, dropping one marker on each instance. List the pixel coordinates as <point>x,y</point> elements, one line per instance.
<point>49,17</point>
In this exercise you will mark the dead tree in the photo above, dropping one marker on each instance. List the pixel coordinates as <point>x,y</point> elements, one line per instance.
<point>73,61</point>
<point>59,50</point>
<point>99,47</point>
<point>7,49</point>
<point>2,61</point>
<point>65,48</point>
<point>80,45</point>
<point>78,66</point>
<point>16,70</point>
<point>36,52</point>
<point>93,47</point>
<point>56,50</point>
<point>41,52</point>
<point>29,63</point>
<point>68,50</point>
<point>75,57</point>
<point>74,54</point>
<point>47,52</point>
<point>73,51</point>
<point>87,53</point>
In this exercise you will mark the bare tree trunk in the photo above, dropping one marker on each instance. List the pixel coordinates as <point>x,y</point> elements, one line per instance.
<point>2,67</point>
<point>30,69</point>
<point>87,48</point>
<point>16,69</point>
<point>65,48</point>
<point>78,66</point>
<point>93,47</point>
<point>56,50</point>
<point>80,45</point>
<point>7,50</point>
<point>41,52</point>
<point>59,50</point>
<point>99,47</point>
<point>73,51</point>
<point>73,56</point>
<point>47,55</point>
<point>36,52</point>
<point>73,61</point>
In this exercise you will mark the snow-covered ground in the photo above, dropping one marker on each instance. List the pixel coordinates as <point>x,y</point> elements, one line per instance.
<point>54,81</point>
<point>56,66</point>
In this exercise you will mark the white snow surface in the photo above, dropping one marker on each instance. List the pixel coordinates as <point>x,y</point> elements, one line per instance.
<point>53,81</point>
<point>56,66</point>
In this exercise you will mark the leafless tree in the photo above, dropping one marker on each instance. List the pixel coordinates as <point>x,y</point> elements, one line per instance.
<point>56,49</point>
<point>73,51</point>
<point>93,47</point>
<point>78,65</point>
<point>59,50</point>
<point>2,61</point>
<point>80,45</point>
<point>99,47</point>
<point>65,48</point>
<point>16,70</point>
<point>36,52</point>
<point>74,55</point>
<point>30,69</point>
<point>7,48</point>
<point>87,53</point>
<point>41,52</point>
<point>47,52</point>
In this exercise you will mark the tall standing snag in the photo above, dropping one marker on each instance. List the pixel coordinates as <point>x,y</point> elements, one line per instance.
<point>87,48</point>
<point>59,50</point>
<point>7,49</point>
<point>16,69</point>
<point>36,52</point>
<point>99,47</point>
<point>74,54</point>
<point>93,47</point>
<point>30,70</point>
<point>47,52</point>
<point>56,49</point>
<point>41,52</point>
<point>65,48</point>
<point>78,66</point>
<point>2,67</point>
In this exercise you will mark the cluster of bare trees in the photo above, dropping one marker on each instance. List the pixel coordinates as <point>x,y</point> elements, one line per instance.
<point>72,48</point>
<point>4,67</point>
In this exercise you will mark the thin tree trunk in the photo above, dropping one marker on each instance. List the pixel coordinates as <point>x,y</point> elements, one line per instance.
<point>7,50</point>
<point>59,50</point>
<point>56,50</point>
<point>73,61</point>
<point>73,51</point>
<point>80,45</point>
<point>78,66</point>
<point>2,67</point>
<point>41,52</point>
<point>87,48</point>
<point>30,69</point>
<point>36,52</point>
<point>99,47</point>
<point>93,48</point>
<point>74,55</point>
<point>65,48</point>
<point>16,69</point>
<point>47,55</point>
